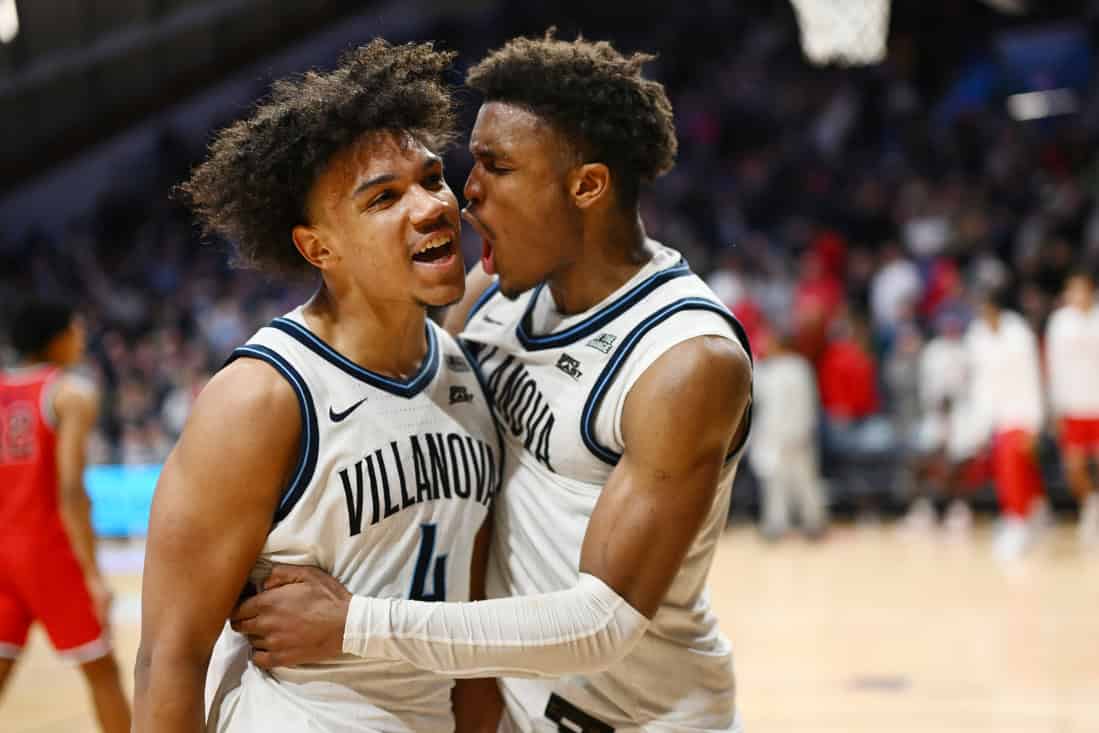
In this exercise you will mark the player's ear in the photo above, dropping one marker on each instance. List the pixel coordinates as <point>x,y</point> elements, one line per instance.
<point>589,184</point>
<point>311,244</point>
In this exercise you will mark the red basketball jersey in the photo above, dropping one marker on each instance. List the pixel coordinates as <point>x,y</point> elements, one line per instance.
<point>28,453</point>
<point>40,577</point>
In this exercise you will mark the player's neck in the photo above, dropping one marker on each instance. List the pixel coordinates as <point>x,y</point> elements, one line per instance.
<point>612,251</point>
<point>385,338</point>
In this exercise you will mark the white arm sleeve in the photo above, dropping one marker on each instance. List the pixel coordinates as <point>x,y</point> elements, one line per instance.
<point>581,630</point>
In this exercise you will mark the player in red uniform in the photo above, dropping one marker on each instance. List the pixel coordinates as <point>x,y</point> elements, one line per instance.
<point>47,550</point>
<point>1072,354</point>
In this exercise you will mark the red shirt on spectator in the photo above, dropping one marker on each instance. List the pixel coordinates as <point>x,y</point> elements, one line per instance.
<point>848,381</point>
<point>819,297</point>
<point>831,248</point>
<point>751,317</point>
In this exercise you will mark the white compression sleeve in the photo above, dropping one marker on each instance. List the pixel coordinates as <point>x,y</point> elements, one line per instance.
<point>581,630</point>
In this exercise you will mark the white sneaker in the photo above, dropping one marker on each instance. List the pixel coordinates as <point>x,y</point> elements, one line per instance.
<point>1041,516</point>
<point>1011,539</point>
<point>773,532</point>
<point>1087,530</point>
<point>920,517</point>
<point>959,517</point>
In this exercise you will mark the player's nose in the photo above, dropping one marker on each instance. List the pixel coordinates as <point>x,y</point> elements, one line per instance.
<point>429,207</point>
<point>472,190</point>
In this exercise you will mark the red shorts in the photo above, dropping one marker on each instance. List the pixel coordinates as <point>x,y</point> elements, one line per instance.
<point>1079,433</point>
<point>975,472</point>
<point>43,582</point>
<point>1015,466</point>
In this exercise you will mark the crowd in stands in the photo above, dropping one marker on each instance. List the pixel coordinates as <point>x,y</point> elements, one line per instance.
<point>853,231</point>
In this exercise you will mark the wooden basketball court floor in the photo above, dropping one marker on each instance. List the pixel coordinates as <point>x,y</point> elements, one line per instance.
<point>871,630</point>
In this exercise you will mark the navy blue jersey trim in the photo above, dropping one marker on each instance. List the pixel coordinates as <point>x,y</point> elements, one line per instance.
<point>402,388</point>
<point>598,320</point>
<point>483,298</point>
<point>310,438</point>
<point>501,455</point>
<point>611,370</point>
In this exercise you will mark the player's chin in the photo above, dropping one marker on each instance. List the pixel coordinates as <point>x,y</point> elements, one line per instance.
<point>512,287</point>
<point>440,282</point>
<point>440,298</point>
<point>442,293</point>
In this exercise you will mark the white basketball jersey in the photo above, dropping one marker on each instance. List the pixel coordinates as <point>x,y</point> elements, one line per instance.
<point>395,479</point>
<point>558,386</point>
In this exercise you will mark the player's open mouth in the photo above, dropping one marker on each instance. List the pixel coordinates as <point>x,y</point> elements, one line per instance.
<point>436,248</point>
<point>488,260</point>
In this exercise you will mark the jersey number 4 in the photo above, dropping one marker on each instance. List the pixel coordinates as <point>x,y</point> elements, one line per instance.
<point>424,564</point>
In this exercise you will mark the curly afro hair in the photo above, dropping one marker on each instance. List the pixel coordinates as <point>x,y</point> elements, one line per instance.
<point>594,95</point>
<point>253,187</point>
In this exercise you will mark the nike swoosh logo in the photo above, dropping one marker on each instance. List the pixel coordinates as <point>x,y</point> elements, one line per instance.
<point>340,416</point>
<point>493,321</point>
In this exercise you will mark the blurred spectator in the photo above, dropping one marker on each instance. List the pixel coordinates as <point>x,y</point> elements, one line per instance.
<point>1007,394</point>
<point>818,296</point>
<point>894,291</point>
<point>225,326</point>
<point>902,381</point>
<point>1072,349</point>
<point>177,403</point>
<point>783,451</point>
<point>731,288</point>
<point>947,440</point>
<point>857,436</point>
<point>945,293</point>
<point>848,374</point>
<point>926,227</point>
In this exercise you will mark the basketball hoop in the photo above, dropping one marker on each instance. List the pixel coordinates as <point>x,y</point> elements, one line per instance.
<point>846,32</point>
<point>9,21</point>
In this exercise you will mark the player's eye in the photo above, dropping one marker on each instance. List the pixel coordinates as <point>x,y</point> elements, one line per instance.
<point>384,197</point>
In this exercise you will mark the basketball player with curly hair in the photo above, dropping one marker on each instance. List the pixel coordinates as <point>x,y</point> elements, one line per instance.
<point>351,434</point>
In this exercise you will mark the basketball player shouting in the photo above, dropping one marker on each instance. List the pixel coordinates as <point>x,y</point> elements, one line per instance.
<point>622,387</point>
<point>48,570</point>
<point>351,434</point>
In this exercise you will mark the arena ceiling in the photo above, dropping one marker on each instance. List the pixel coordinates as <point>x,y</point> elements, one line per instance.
<point>77,70</point>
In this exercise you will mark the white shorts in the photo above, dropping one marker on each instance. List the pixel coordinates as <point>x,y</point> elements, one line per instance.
<point>508,725</point>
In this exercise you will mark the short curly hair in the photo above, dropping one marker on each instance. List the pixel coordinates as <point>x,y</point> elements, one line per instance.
<point>593,94</point>
<point>253,187</point>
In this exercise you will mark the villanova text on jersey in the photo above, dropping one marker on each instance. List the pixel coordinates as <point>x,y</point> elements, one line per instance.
<point>395,477</point>
<point>430,467</point>
<point>520,406</point>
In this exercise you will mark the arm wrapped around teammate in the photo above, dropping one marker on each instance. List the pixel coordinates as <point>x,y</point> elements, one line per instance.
<point>581,630</point>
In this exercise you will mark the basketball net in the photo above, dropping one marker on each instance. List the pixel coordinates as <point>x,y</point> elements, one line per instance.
<point>846,32</point>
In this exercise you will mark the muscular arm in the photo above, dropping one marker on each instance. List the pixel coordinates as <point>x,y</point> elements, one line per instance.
<point>662,489</point>
<point>211,513</point>
<point>645,521</point>
<point>477,281</point>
